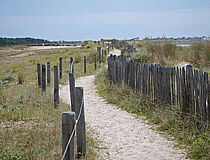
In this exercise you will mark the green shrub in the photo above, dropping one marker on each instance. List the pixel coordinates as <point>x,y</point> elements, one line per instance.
<point>10,155</point>
<point>141,56</point>
<point>201,147</point>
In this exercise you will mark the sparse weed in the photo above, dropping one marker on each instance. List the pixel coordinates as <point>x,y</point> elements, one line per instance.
<point>20,78</point>
<point>14,68</point>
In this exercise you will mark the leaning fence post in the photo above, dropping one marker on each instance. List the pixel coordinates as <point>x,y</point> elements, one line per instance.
<point>72,90</point>
<point>56,87</point>
<point>39,74</point>
<point>68,123</point>
<point>81,135</point>
<point>95,58</point>
<point>43,77</point>
<point>61,66</point>
<point>48,73</point>
<point>84,64</point>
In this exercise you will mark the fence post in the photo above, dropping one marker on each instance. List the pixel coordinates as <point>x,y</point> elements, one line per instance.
<point>201,95</point>
<point>196,87</point>
<point>39,74</point>
<point>84,64</point>
<point>100,56</point>
<point>205,96</point>
<point>68,122</point>
<point>208,100</point>
<point>61,66</point>
<point>71,62</point>
<point>95,58</point>
<point>72,90</point>
<point>48,73</point>
<point>81,135</point>
<point>56,87</point>
<point>43,77</point>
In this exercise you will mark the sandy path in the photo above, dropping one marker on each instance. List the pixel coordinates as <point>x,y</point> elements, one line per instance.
<point>122,135</point>
<point>116,52</point>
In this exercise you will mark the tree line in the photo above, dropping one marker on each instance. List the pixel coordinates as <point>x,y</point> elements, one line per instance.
<point>20,41</point>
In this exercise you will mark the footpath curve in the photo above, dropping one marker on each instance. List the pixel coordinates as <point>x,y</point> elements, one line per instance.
<point>121,135</point>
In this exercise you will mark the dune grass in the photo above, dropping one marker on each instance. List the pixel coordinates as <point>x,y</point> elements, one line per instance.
<point>198,54</point>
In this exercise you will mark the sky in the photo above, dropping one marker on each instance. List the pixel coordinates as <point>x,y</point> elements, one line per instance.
<point>96,19</point>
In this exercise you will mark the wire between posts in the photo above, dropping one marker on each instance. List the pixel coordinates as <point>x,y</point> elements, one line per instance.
<point>75,126</point>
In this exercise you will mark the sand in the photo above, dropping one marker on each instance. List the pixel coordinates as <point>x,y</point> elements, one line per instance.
<point>116,52</point>
<point>50,47</point>
<point>31,50</point>
<point>122,136</point>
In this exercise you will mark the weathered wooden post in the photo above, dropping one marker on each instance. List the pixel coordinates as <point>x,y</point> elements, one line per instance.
<point>205,96</point>
<point>72,90</point>
<point>80,115</point>
<point>61,66</point>
<point>84,64</point>
<point>208,100</point>
<point>39,74</point>
<point>95,58</point>
<point>71,65</point>
<point>99,56</point>
<point>68,123</point>
<point>56,87</point>
<point>201,95</point>
<point>43,77</point>
<point>105,52</point>
<point>48,73</point>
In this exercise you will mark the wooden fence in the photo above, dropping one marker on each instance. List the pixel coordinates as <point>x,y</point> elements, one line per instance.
<point>184,87</point>
<point>73,122</point>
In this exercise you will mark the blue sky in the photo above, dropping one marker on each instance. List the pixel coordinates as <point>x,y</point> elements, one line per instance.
<point>95,19</point>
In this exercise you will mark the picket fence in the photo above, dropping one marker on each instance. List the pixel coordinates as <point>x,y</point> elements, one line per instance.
<point>184,87</point>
